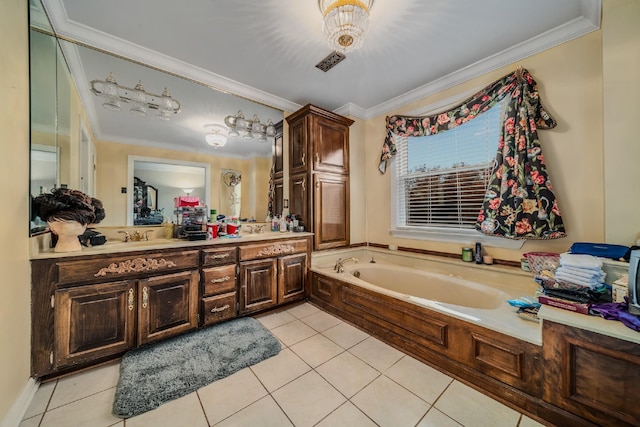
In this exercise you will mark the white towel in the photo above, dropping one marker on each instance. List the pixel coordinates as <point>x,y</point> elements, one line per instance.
<point>582,273</point>
<point>580,261</point>
<point>576,280</point>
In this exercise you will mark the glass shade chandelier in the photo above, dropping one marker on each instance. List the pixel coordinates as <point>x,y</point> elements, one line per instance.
<point>250,128</point>
<point>141,101</point>
<point>345,22</point>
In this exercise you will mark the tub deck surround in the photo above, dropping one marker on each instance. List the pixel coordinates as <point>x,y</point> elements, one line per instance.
<point>474,293</point>
<point>551,370</point>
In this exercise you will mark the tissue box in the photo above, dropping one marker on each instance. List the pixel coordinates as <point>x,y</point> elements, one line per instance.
<point>620,289</point>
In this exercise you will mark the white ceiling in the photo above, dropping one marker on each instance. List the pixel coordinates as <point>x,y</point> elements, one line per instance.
<point>266,51</point>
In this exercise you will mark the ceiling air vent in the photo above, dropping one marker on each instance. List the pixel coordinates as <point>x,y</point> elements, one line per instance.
<point>330,61</point>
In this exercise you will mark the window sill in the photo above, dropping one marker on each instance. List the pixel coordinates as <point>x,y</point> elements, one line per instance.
<point>468,237</point>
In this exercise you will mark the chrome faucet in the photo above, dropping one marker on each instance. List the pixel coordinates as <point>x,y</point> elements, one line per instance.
<point>340,263</point>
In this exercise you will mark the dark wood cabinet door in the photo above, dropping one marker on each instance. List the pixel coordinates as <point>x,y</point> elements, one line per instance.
<point>168,305</point>
<point>278,147</point>
<point>292,277</point>
<point>258,285</point>
<point>93,321</point>
<point>298,145</point>
<point>298,199</point>
<point>330,146</point>
<point>331,210</point>
<point>278,196</point>
<point>591,375</point>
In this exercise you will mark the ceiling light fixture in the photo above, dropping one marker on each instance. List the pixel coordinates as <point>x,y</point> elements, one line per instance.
<point>345,22</point>
<point>250,128</point>
<point>140,101</point>
<point>216,136</point>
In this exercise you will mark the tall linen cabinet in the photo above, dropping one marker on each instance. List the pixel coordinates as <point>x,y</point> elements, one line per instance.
<point>319,174</point>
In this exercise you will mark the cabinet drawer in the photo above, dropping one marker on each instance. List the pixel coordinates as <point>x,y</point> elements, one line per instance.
<point>213,257</point>
<point>273,249</point>
<point>217,280</point>
<point>125,266</point>
<point>219,308</point>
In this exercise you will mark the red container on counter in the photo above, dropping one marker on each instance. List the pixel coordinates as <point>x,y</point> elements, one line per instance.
<point>232,228</point>
<point>212,229</point>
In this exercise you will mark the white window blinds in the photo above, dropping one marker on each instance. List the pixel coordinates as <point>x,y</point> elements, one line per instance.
<point>442,179</point>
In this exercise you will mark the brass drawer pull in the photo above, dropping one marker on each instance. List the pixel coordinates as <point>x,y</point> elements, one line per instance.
<point>130,299</point>
<point>302,158</point>
<point>219,309</point>
<point>220,256</point>
<point>220,280</point>
<point>145,297</point>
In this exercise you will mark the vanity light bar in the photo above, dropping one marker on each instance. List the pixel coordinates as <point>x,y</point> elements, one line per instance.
<point>114,94</point>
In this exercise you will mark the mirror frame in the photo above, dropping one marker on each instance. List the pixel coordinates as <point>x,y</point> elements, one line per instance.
<point>131,159</point>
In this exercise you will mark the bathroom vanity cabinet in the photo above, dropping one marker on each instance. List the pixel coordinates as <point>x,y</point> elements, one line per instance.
<point>89,308</point>
<point>319,174</point>
<point>219,284</point>
<point>272,274</point>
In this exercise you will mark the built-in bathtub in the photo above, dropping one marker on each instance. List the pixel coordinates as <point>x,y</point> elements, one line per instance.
<point>466,291</point>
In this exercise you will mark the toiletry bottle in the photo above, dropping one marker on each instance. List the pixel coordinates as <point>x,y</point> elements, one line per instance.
<point>478,254</point>
<point>283,224</point>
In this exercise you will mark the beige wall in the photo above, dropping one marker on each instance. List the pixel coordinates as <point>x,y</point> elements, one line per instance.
<point>590,85</point>
<point>621,62</point>
<point>111,175</point>
<point>14,251</point>
<point>570,81</point>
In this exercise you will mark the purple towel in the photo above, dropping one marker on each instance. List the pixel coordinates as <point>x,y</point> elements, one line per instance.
<point>617,311</point>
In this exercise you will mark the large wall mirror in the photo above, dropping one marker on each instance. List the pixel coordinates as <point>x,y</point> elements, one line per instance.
<point>88,145</point>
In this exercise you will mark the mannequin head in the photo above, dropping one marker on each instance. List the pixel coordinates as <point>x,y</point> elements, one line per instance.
<point>68,212</point>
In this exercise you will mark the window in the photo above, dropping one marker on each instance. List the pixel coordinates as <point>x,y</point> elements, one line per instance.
<point>440,180</point>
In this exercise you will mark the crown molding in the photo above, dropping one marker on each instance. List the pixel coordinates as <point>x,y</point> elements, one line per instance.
<point>66,28</point>
<point>590,21</point>
<point>351,109</point>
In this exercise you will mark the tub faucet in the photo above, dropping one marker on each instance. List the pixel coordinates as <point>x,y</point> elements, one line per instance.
<point>127,236</point>
<point>340,263</point>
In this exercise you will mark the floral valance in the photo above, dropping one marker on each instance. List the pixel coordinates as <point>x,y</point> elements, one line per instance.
<point>519,202</point>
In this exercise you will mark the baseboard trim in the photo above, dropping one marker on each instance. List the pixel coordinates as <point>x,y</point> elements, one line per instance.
<point>20,406</point>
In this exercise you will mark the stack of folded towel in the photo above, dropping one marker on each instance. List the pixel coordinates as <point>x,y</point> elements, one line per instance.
<point>582,270</point>
<point>579,279</point>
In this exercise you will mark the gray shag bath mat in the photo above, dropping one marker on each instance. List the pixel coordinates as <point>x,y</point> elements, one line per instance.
<point>158,373</point>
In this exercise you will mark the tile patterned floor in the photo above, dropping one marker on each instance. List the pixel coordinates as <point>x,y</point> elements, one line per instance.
<point>328,374</point>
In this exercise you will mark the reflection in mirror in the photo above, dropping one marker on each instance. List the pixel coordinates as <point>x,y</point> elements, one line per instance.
<point>231,192</point>
<point>155,183</point>
<point>94,143</point>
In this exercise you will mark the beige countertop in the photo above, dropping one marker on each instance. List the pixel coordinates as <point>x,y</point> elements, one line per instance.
<point>118,246</point>
<point>612,328</point>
